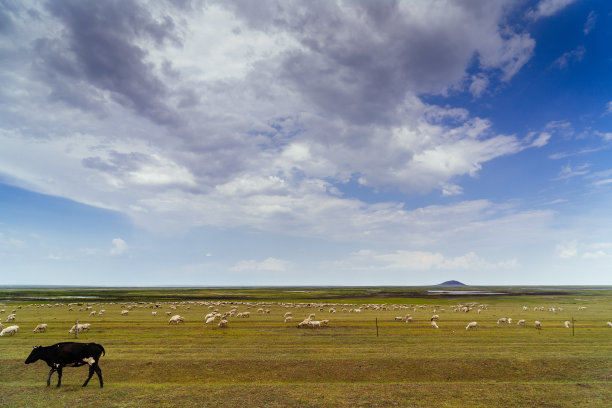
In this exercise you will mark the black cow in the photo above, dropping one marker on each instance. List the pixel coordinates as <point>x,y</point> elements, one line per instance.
<point>70,353</point>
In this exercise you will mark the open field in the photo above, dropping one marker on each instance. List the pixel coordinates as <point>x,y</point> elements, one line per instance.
<point>261,361</point>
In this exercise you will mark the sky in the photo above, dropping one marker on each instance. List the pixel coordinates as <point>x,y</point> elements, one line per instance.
<point>279,143</point>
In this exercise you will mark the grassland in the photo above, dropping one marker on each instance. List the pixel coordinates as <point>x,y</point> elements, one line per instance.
<point>263,362</point>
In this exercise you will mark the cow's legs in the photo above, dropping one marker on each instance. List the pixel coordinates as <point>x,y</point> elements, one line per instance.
<point>99,372</point>
<point>49,377</point>
<point>91,371</point>
<point>59,376</point>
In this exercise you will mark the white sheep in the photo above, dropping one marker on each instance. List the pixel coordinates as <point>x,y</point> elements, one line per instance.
<point>501,321</point>
<point>288,314</point>
<point>211,319</point>
<point>80,327</point>
<point>93,313</point>
<point>288,319</point>
<point>567,324</point>
<point>609,324</point>
<point>41,327</point>
<point>9,330</point>
<point>223,323</point>
<point>176,319</point>
<point>11,317</point>
<point>399,319</point>
<point>314,323</point>
<point>471,325</point>
<point>538,325</point>
<point>434,325</point>
<point>521,322</point>
<point>124,312</point>
<point>324,322</point>
<point>303,323</point>
<point>434,318</point>
<point>154,313</point>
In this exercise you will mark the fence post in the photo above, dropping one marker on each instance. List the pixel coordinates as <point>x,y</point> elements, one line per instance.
<point>76,329</point>
<point>377,327</point>
<point>572,326</point>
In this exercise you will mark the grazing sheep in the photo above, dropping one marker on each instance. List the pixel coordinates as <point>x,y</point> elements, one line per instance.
<point>471,325</point>
<point>176,319</point>
<point>538,325</point>
<point>245,314</point>
<point>9,330</point>
<point>288,314</point>
<point>501,321</point>
<point>80,327</point>
<point>41,327</point>
<point>211,319</point>
<point>303,323</point>
<point>567,324</point>
<point>409,319</point>
<point>288,319</point>
<point>399,319</point>
<point>509,320</point>
<point>434,318</point>
<point>11,317</point>
<point>524,308</point>
<point>222,323</point>
<point>434,325</point>
<point>324,322</point>
<point>521,322</point>
<point>312,316</point>
<point>154,313</point>
<point>93,313</point>
<point>609,324</point>
<point>124,312</point>
<point>314,323</point>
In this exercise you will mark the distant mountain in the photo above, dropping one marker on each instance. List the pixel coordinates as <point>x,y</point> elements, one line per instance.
<point>452,283</point>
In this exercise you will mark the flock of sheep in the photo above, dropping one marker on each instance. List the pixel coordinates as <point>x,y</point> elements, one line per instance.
<point>222,318</point>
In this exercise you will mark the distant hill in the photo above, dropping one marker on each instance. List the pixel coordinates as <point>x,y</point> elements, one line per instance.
<point>452,283</point>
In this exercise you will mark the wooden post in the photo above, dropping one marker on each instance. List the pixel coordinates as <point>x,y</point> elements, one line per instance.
<point>76,329</point>
<point>572,326</point>
<point>377,327</point>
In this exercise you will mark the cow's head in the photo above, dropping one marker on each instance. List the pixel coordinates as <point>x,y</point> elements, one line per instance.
<point>34,355</point>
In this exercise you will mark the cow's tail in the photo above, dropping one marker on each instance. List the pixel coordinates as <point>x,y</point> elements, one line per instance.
<point>103,351</point>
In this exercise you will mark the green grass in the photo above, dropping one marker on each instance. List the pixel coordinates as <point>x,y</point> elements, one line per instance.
<point>264,362</point>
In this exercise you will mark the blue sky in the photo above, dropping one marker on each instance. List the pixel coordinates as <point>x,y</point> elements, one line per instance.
<point>305,143</point>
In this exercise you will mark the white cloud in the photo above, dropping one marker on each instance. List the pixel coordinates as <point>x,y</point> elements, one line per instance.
<point>606,136</point>
<point>479,84</point>
<point>423,261</point>
<point>567,250</point>
<point>589,25</point>
<point>269,264</point>
<point>575,55</point>
<point>595,250</point>
<point>120,247</point>
<point>541,140</point>
<point>548,8</point>
<point>568,171</point>
<point>235,131</point>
